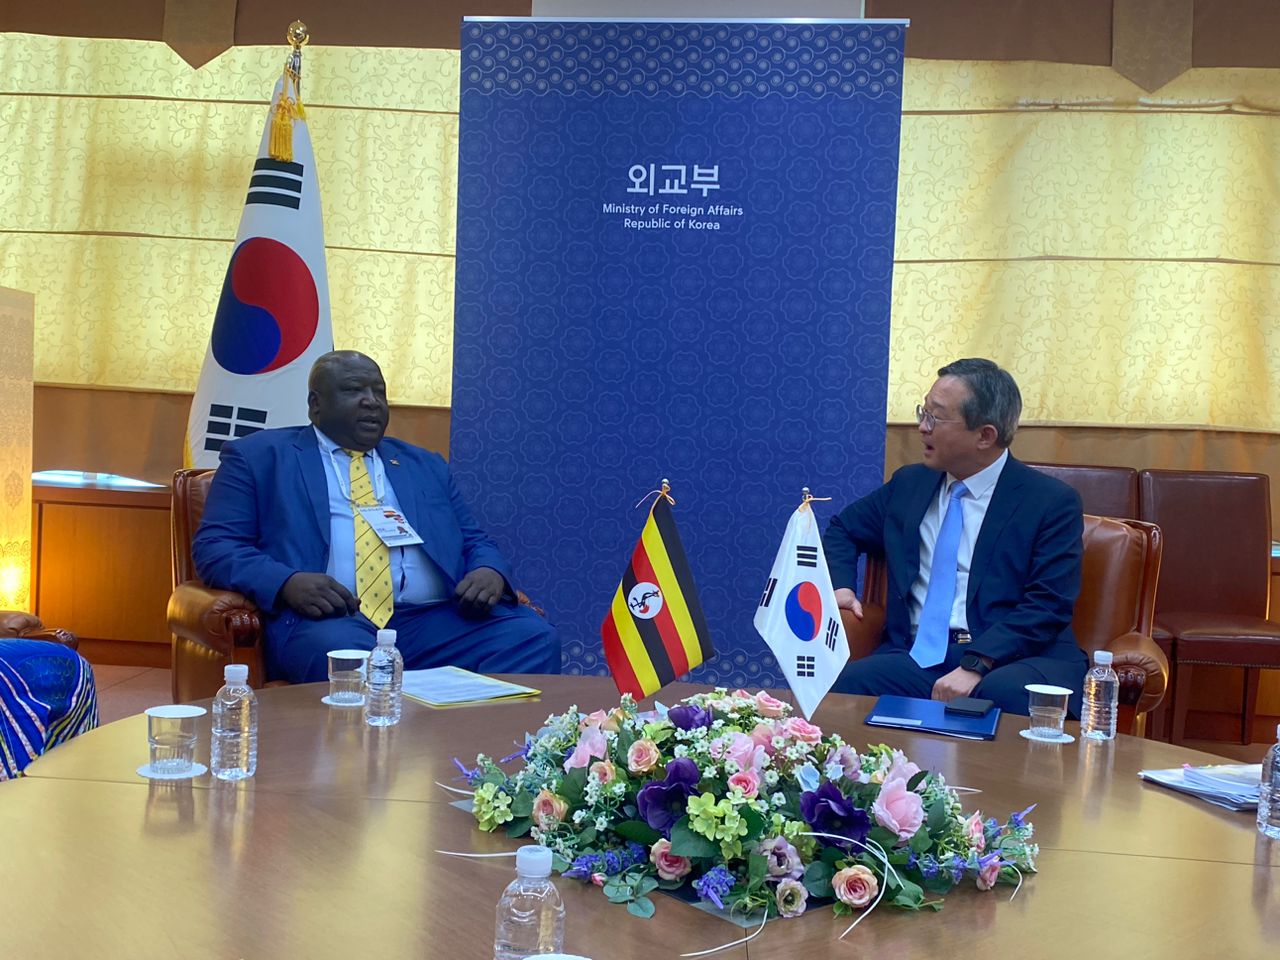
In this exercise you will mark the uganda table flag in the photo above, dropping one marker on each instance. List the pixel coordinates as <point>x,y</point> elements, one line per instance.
<point>272,319</point>
<point>797,615</point>
<point>655,631</point>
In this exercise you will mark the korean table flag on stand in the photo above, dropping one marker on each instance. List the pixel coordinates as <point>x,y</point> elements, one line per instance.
<point>797,615</point>
<point>272,320</point>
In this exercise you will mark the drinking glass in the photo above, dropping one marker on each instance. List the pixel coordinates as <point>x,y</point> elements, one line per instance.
<point>346,677</point>
<point>171,733</point>
<point>1048,709</point>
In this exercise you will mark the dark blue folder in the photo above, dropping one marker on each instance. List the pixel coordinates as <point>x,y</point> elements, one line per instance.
<point>908,713</point>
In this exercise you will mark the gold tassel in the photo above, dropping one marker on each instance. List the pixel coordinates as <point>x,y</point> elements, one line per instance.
<point>280,143</point>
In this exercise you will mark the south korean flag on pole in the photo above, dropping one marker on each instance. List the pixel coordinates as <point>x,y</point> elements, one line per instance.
<point>272,320</point>
<point>797,615</point>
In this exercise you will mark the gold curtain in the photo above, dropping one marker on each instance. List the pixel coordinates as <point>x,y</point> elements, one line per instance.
<point>123,180</point>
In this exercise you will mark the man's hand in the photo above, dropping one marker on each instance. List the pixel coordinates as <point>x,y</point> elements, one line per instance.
<point>846,599</point>
<point>479,590</point>
<point>958,683</point>
<point>318,595</point>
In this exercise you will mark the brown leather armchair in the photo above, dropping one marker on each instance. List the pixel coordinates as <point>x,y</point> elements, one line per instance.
<point>1114,612</point>
<point>1215,592</point>
<point>1104,491</point>
<point>28,626</point>
<point>210,628</point>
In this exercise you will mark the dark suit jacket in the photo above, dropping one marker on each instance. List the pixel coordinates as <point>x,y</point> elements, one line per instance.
<point>267,517</point>
<point>1025,573</point>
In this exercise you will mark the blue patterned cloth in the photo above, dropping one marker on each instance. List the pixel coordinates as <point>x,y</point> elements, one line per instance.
<point>47,696</point>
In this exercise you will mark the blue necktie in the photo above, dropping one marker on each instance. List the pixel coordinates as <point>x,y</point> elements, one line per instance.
<point>934,629</point>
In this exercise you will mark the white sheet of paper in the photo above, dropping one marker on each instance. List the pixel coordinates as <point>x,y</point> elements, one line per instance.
<point>390,526</point>
<point>444,685</point>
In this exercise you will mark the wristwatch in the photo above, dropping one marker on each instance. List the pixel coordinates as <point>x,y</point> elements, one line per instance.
<point>975,664</point>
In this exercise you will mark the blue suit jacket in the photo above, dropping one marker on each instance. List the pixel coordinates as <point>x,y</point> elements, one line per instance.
<point>267,517</point>
<point>1025,574</point>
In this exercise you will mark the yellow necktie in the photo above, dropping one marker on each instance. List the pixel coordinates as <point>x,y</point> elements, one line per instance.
<point>373,557</point>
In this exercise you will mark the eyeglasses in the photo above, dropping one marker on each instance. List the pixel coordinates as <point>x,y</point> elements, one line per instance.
<point>929,421</point>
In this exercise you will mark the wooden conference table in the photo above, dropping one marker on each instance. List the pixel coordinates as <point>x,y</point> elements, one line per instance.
<point>330,851</point>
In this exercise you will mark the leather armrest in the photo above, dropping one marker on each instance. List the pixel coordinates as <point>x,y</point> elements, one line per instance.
<point>865,634</point>
<point>217,619</point>
<point>14,623</point>
<point>1143,670</point>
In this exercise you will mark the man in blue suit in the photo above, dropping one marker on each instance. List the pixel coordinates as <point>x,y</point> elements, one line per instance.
<point>283,525</point>
<point>983,556</point>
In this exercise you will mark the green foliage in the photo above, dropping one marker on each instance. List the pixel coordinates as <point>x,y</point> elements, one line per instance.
<point>817,878</point>
<point>686,843</point>
<point>522,805</point>
<point>519,826</point>
<point>637,830</point>
<point>573,785</point>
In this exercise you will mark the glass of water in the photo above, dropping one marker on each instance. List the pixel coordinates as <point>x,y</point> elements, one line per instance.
<point>171,734</point>
<point>1047,705</point>
<point>346,677</point>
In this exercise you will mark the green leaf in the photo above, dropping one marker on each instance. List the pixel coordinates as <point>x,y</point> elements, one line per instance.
<point>522,805</point>
<point>917,779</point>
<point>937,816</point>
<point>646,885</point>
<point>642,907</point>
<point>559,863</point>
<point>587,837</point>
<point>615,888</point>
<point>921,841</point>
<point>637,830</point>
<point>817,878</point>
<point>686,843</point>
<point>573,785</point>
<point>909,894</point>
<point>886,838</point>
<point>626,737</point>
<point>519,826</point>
<point>757,867</point>
<point>832,854</point>
<point>755,824</point>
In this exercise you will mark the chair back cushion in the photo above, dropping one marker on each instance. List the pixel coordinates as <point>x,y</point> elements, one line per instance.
<point>190,491</point>
<point>1118,580</point>
<point>1218,528</point>
<point>1104,491</point>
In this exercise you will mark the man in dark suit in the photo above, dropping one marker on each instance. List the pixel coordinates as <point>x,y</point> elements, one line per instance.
<point>983,556</point>
<point>284,526</point>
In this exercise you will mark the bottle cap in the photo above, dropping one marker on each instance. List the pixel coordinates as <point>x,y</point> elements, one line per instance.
<point>236,673</point>
<point>1103,658</point>
<point>533,861</point>
<point>386,638</point>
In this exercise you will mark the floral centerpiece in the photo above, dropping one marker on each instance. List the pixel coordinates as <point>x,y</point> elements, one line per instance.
<point>758,810</point>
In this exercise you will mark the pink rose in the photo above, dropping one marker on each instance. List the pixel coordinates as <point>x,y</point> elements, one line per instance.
<point>549,809</point>
<point>610,721</point>
<point>857,886</point>
<point>598,879</point>
<point>740,694</point>
<point>977,836</point>
<point>604,770</point>
<point>591,743</point>
<point>670,867</point>
<point>768,706</point>
<point>748,781</point>
<point>988,874</point>
<point>898,809</point>
<point>901,768</point>
<point>741,749</point>
<point>642,756</point>
<point>801,729</point>
<point>763,734</point>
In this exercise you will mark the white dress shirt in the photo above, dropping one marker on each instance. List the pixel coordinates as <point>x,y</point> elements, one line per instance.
<point>980,486</point>
<point>415,578</point>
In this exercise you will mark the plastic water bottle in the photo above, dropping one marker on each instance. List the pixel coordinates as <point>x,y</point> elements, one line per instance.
<point>1269,792</point>
<point>385,679</point>
<point>530,913</point>
<point>234,750</point>
<point>1101,698</point>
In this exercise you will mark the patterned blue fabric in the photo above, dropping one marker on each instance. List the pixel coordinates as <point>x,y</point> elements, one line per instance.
<point>674,255</point>
<point>47,696</point>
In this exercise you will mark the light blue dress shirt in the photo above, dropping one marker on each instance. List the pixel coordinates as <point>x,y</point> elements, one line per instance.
<point>415,577</point>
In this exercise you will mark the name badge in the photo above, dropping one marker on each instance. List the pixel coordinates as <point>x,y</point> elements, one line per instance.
<point>390,526</point>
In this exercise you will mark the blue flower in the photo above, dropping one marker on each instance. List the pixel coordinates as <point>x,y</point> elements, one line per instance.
<point>807,775</point>
<point>714,885</point>
<point>471,776</point>
<point>661,802</point>
<point>829,811</point>
<point>1018,819</point>
<point>686,716</point>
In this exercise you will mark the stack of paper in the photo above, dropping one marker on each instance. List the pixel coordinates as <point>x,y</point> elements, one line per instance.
<point>1230,785</point>
<point>454,687</point>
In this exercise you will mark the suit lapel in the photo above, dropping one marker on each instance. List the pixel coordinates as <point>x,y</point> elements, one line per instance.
<point>918,502</point>
<point>307,448</point>
<point>1005,500</point>
<point>402,484</point>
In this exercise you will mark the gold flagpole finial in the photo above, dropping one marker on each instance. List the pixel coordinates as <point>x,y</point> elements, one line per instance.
<point>289,106</point>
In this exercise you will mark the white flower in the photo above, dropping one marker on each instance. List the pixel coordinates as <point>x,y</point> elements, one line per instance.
<point>602,823</point>
<point>578,816</point>
<point>778,799</point>
<point>731,767</point>
<point>680,750</point>
<point>771,777</point>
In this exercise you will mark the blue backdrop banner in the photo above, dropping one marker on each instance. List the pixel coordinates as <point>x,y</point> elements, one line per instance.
<point>674,256</point>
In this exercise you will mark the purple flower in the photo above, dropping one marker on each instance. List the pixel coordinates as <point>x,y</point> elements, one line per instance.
<point>661,802</point>
<point>686,716</point>
<point>783,859</point>
<point>472,776</point>
<point>828,810</point>
<point>714,885</point>
<point>1018,819</point>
